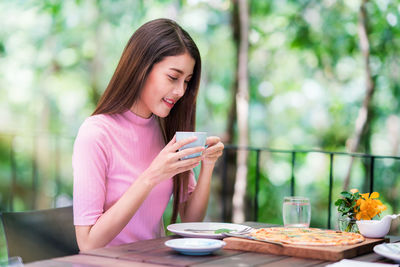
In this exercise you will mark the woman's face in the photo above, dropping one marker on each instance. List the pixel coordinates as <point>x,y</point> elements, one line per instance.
<point>165,85</point>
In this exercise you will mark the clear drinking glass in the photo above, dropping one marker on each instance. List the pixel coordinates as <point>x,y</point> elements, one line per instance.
<point>12,262</point>
<point>296,212</point>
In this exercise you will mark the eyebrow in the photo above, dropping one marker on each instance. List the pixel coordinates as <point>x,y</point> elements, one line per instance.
<point>180,71</point>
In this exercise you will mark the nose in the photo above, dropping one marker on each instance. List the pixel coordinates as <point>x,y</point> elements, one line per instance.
<point>180,89</point>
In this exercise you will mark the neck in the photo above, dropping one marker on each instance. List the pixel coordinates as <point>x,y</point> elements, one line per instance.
<point>140,112</point>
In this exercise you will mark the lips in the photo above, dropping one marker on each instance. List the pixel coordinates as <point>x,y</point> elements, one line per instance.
<point>169,102</point>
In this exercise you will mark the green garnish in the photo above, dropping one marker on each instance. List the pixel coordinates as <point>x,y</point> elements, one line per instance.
<point>222,230</point>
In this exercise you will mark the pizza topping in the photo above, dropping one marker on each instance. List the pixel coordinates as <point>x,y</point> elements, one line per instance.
<point>307,236</point>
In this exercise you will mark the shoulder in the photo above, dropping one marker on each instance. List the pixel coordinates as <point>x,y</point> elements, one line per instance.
<point>92,142</point>
<point>96,130</point>
<point>93,126</point>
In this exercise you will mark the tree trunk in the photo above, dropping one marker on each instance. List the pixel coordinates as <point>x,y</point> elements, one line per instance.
<point>364,114</point>
<point>230,132</point>
<point>96,64</point>
<point>242,107</point>
<point>393,128</point>
<point>227,186</point>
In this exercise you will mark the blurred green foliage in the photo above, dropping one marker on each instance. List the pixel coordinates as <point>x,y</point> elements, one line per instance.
<point>306,87</point>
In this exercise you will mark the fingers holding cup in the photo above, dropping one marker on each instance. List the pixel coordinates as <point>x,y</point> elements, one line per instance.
<point>188,153</point>
<point>214,150</point>
<point>182,143</point>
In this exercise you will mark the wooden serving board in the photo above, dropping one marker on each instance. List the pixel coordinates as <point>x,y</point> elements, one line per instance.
<point>329,253</point>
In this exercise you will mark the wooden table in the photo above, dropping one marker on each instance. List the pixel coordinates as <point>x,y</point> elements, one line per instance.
<point>154,253</point>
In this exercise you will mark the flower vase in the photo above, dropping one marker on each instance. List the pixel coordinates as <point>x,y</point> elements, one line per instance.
<point>347,224</point>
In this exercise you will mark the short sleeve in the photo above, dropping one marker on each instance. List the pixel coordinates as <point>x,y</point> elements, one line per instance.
<point>191,187</point>
<point>89,162</point>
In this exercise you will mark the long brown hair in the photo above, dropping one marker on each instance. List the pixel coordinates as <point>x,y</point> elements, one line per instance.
<point>152,42</point>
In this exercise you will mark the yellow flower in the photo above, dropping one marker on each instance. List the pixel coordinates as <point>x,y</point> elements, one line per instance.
<point>354,190</point>
<point>368,206</point>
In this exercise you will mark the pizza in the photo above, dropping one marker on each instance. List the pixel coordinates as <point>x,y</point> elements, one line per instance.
<point>307,236</point>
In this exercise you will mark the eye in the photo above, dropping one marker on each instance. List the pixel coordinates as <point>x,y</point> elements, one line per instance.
<point>172,78</point>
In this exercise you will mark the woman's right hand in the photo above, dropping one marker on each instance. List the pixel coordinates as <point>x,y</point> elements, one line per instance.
<point>168,162</point>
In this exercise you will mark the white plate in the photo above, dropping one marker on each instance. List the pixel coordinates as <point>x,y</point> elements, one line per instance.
<point>195,246</point>
<point>389,250</point>
<point>183,229</point>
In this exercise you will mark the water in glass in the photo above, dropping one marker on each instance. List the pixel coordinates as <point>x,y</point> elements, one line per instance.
<point>296,212</point>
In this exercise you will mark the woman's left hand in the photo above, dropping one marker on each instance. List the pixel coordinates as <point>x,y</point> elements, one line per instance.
<point>213,151</point>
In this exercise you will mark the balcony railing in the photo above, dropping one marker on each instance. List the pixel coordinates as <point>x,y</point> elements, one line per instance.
<point>60,143</point>
<point>293,153</point>
<point>24,150</point>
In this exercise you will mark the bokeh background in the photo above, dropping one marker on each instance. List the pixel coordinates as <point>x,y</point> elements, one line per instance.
<point>307,84</point>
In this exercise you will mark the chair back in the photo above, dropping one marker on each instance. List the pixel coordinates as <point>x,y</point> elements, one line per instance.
<point>40,234</point>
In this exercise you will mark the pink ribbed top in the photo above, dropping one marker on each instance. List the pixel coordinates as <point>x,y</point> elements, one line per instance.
<point>110,152</point>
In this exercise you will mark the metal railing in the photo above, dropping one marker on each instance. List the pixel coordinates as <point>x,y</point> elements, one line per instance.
<point>293,154</point>
<point>56,160</point>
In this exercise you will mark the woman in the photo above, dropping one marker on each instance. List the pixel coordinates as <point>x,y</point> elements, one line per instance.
<point>126,161</point>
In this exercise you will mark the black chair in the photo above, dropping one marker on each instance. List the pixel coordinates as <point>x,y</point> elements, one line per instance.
<point>40,234</point>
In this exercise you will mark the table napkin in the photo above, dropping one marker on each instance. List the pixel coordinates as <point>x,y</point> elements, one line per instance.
<point>353,263</point>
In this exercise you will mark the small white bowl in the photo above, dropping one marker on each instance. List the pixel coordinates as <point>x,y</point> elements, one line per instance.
<point>374,228</point>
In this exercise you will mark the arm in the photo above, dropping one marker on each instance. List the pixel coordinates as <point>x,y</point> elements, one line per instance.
<point>194,209</point>
<point>112,221</point>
